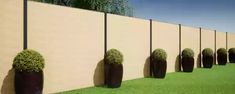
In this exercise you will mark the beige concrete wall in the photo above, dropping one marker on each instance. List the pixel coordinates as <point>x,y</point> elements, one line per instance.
<point>11,41</point>
<point>166,36</point>
<point>131,36</point>
<point>190,38</point>
<point>207,39</point>
<point>72,43</point>
<point>231,40</point>
<point>220,40</point>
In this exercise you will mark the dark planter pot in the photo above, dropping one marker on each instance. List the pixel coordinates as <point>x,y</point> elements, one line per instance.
<point>207,61</point>
<point>231,57</point>
<point>222,59</point>
<point>159,68</point>
<point>113,75</point>
<point>187,64</point>
<point>28,82</point>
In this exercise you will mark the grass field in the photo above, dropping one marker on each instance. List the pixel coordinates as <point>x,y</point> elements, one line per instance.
<point>218,80</point>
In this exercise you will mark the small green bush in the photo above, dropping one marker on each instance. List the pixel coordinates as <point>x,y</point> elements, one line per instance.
<point>159,54</point>
<point>114,56</point>
<point>187,52</point>
<point>222,51</point>
<point>207,52</point>
<point>231,50</point>
<point>28,60</point>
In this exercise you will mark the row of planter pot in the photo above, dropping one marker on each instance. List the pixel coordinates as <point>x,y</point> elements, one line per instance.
<point>29,65</point>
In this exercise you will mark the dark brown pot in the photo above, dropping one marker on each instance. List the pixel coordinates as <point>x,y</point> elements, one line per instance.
<point>207,61</point>
<point>231,57</point>
<point>113,75</point>
<point>28,82</point>
<point>159,68</point>
<point>187,64</point>
<point>222,59</point>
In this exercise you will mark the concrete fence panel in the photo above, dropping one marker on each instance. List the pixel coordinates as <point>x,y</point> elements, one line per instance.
<point>220,41</point>
<point>190,38</point>
<point>11,41</point>
<point>166,36</point>
<point>207,39</point>
<point>231,40</point>
<point>131,36</point>
<point>72,43</point>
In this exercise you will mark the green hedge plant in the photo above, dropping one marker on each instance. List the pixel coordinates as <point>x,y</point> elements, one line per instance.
<point>231,50</point>
<point>159,54</point>
<point>113,56</point>
<point>222,51</point>
<point>207,52</point>
<point>187,52</point>
<point>28,60</point>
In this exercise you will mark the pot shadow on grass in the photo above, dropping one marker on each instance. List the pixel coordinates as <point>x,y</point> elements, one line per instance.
<point>177,64</point>
<point>146,70</point>
<point>98,77</point>
<point>8,83</point>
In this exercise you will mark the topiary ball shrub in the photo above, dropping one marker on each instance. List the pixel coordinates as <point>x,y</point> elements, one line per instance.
<point>28,60</point>
<point>187,52</point>
<point>158,63</point>
<point>187,60</point>
<point>207,52</point>
<point>113,69</point>
<point>231,52</point>
<point>159,54</point>
<point>207,58</point>
<point>28,66</point>
<point>222,56</point>
<point>113,56</point>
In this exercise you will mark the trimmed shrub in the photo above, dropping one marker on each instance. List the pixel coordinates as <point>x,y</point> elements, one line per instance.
<point>28,60</point>
<point>207,52</point>
<point>159,54</point>
<point>187,52</point>
<point>231,50</point>
<point>222,51</point>
<point>113,56</point>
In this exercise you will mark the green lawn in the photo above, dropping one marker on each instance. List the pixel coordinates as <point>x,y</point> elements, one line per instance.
<point>218,80</point>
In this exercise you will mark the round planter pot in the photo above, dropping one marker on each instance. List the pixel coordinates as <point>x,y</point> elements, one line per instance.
<point>28,82</point>
<point>187,64</point>
<point>231,57</point>
<point>159,68</point>
<point>222,59</point>
<point>113,75</point>
<point>207,61</point>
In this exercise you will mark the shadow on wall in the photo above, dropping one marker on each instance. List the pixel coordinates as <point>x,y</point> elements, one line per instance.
<point>8,83</point>
<point>198,61</point>
<point>177,64</point>
<point>98,78</point>
<point>146,70</point>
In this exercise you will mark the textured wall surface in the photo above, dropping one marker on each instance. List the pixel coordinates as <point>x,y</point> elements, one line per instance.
<point>190,38</point>
<point>231,40</point>
<point>132,37</point>
<point>11,41</point>
<point>72,43</point>
<point>166,36</point>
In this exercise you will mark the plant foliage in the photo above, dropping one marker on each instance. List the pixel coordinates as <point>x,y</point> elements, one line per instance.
<point>113,56</point>
<point>187,52</point>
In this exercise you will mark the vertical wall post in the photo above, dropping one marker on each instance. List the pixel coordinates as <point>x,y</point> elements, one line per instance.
<point>215,49</point>
<point>150,68</point>
<point>179,47</point>
<point>25,27</point>
<point>200,47</point>
<point>227,41</point>
<point>105,33</point>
